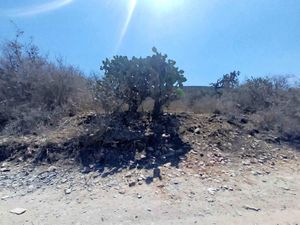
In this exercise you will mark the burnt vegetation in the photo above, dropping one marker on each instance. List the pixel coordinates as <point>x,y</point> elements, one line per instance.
<point>132,114</point>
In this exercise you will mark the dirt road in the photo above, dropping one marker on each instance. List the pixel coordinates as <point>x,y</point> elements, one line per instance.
<point>239,194</point>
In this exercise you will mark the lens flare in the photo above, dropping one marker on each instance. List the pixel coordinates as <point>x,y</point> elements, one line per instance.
<point>131,8</point>
<point>37,9</point>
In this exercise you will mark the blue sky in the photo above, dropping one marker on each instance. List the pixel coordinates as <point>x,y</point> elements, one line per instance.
<point>207,38</point>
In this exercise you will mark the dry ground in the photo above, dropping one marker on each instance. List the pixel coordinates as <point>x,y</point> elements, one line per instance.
<point>236,194</point>
<point>230,175</point>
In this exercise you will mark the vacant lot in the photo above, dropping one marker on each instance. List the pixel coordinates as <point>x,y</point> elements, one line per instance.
<point>225,176</point>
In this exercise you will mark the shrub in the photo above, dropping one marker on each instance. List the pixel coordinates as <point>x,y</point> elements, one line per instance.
<point>131,81</point>
<point>227,82</point>
<point>35,91</point>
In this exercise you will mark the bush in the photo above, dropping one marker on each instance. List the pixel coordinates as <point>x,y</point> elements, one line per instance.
<point>34,90</point>
<point>227,82</point>
<point>130,81</point>
<point>273,103</point>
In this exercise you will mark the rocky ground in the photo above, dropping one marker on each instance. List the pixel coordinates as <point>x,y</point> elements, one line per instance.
<point>221,171</point>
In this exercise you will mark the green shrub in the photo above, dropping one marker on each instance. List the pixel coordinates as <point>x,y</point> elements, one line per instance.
<point>130,81</point>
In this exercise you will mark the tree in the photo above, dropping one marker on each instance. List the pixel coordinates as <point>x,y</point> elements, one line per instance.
<point>131,81</point>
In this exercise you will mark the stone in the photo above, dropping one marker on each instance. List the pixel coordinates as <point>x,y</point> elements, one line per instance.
<point>68,191</point>
<point>4,169</point>
<point>64,180</point>
<point>52,169</point>
<point>256,173</point>
<point>141,178</point>
<point>251,208</point>
<point>129,174</point>
<point>176,182</point>
<point>5,164</point>
<point>18,211</point>
<point>246,163</point>
<point>210,200</point>
<point>167,164</point>
<point>197,130</point>
<point>139,196</point>
<point>131,183</point>
<point>165,135</point>
<point>212,191</point>
<point>122,192</point>
<point>86,170</point>
<point>5,197</point>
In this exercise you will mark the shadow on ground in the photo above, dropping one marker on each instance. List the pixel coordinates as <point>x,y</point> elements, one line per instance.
<point>112,143</point>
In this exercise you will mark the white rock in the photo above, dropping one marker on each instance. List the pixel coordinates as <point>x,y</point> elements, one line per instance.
<point>18,211</point>
<point>4,169</point>
<point>5,197</point>
<point>212,191</point>
<point>52,169</point>
<point>5,164</point>
<point>197,130</point>
<point>68,191</point>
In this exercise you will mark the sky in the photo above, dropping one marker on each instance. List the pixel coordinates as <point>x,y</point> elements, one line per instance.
<point>207,38</point>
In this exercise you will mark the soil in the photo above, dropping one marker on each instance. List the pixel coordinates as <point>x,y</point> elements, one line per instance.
<point>209,170</point>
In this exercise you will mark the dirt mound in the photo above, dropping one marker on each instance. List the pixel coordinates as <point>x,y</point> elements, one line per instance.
<point>139,141</point>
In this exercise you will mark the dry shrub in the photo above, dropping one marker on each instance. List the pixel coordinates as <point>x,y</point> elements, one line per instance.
<point>273,103</point>
<point>35,91</point>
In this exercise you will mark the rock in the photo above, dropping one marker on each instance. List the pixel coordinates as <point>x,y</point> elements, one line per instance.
<point>86,169</point>
<point>139,196</point>
<point>141,178</point>
<point>64,180</point>
<point>122,192</point>
<point>251,208</point>
<point>129,174</point>
<point>4,169</point>
<point>197,130</point>
<point>165,135</point>
<point>167,164</point>
<point>225,187</point>
<point>212,191</point>
<point>256,173</point>
<point>5,164</point>
<point>52,169</point>
<point>30,188</point>
<point>246,163</point>
<point>210,200</point>
<point>68,191</point>
<point>5,197</point>
<point>18,211</point>
<point>176,182</point>
<point>131,183</point>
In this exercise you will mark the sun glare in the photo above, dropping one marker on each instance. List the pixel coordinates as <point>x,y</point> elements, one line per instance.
<point>130,11</point>
<point>165,4</point>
